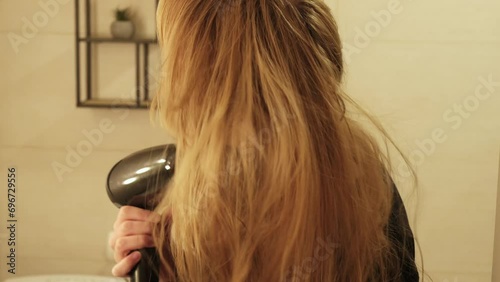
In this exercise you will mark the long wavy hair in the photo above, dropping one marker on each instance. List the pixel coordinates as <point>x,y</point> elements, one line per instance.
<point>274,181</point>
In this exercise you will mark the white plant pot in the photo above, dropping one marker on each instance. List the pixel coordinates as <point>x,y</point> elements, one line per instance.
<point>122,29</point>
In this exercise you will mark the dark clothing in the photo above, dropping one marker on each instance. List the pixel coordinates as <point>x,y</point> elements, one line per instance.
<point>401,237</point>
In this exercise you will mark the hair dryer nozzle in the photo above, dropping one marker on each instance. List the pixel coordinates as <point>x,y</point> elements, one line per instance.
<point>138,180</point>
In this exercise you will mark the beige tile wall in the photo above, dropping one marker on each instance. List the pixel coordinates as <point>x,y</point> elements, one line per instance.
<point>421,59</point>
<point>411,62</point>
<point>496,250</point>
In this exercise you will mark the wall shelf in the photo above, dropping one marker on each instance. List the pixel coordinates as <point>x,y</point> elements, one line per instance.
<point>142,48</point>
<point>110,103</point>
<point>116,40</point>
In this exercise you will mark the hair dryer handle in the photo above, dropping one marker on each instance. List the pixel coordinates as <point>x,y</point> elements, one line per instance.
<point>147,268</point>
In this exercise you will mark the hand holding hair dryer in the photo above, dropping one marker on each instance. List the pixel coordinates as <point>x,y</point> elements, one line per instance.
<point>139,180</point>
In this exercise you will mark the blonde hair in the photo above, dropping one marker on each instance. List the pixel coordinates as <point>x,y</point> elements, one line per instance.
<point>273,181</point>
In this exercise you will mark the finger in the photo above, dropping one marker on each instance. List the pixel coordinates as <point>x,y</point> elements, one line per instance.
<point>129,228</point>
<point>135,214</point>
<point>126,265</point>
<point>124,245</point>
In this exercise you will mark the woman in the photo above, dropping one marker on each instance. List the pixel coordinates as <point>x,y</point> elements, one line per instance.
<point>274,180</point>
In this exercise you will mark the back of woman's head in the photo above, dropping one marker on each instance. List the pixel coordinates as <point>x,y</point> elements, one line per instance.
<point>274,182</point>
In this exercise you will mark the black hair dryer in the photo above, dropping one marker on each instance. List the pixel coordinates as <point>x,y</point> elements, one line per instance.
<point>139,180</point>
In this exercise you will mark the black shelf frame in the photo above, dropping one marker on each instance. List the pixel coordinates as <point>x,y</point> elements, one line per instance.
<point>141,101</point>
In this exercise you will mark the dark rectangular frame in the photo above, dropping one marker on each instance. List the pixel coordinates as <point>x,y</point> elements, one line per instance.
<point>89,42</point>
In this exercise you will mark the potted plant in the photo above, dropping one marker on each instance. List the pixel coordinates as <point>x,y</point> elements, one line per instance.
<point>122,27</point>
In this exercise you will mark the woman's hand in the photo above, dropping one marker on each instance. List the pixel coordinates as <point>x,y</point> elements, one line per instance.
<point>132,231</point>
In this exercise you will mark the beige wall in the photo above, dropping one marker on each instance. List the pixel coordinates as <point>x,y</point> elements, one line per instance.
<point>411,71</point>
<point>430,57</point>
<point>496,250</point>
